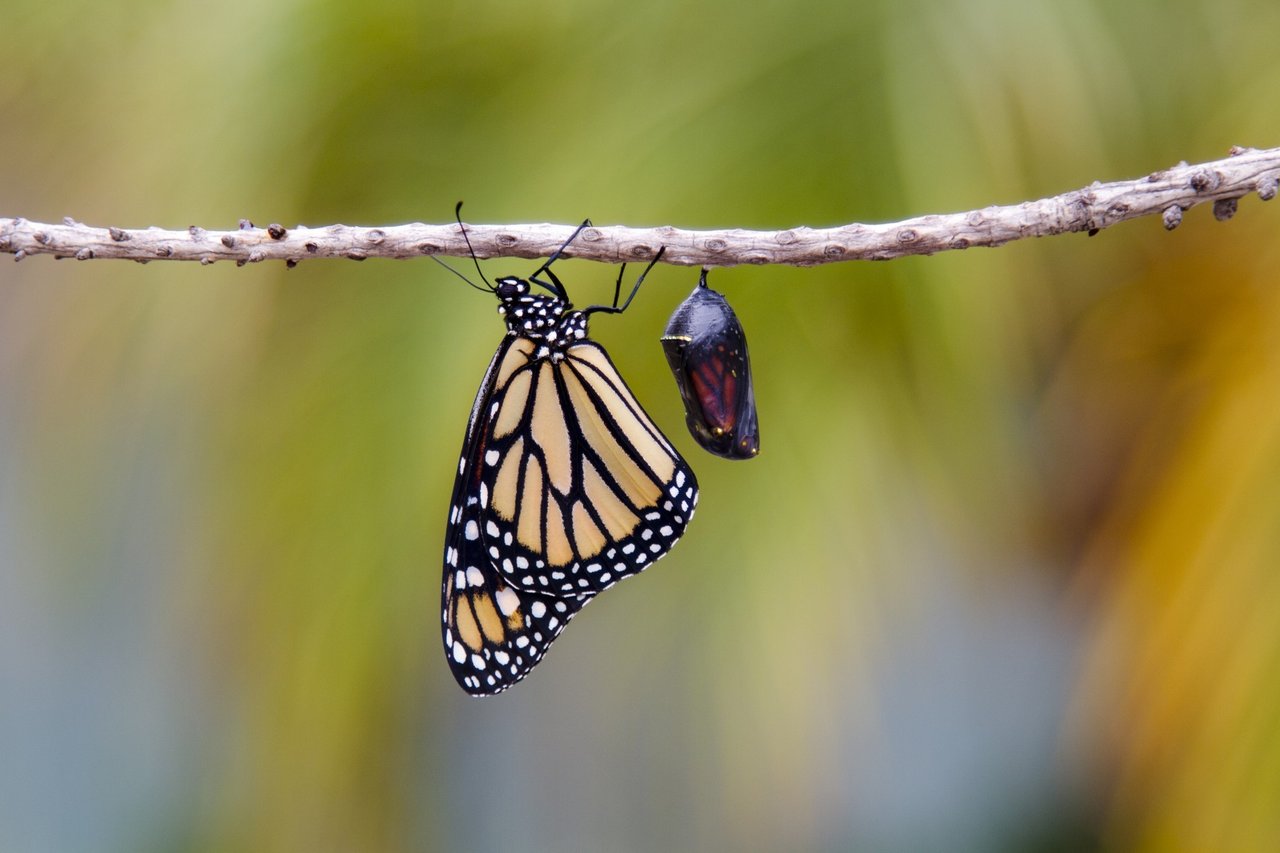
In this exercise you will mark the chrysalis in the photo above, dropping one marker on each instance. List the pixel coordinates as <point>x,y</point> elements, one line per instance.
<point>707,351</point>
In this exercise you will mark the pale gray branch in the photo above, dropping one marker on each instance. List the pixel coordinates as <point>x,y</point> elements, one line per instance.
<point>1168,192</point>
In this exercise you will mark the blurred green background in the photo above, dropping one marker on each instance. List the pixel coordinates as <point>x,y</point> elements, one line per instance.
<point>1003,578</point>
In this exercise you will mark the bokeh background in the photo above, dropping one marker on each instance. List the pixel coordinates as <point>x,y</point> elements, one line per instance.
<point>1004,577</point>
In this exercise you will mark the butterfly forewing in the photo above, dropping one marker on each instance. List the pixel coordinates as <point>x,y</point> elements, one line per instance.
<point>583,488</point>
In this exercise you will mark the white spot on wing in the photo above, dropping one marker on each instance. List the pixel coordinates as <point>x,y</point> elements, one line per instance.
<point>507,600</point>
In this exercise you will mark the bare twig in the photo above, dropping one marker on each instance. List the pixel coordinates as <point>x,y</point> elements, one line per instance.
<point>1168,192</point>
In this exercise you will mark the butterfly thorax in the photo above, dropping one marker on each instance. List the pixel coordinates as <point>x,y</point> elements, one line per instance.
<point>548,320</point>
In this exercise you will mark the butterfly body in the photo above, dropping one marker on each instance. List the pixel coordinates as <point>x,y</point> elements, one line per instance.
<point>565,486</point>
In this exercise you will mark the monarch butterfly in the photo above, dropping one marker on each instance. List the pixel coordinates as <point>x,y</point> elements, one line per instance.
<point>565,486</point>
<point>707,351</point>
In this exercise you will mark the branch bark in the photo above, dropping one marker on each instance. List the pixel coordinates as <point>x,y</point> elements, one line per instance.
<point>1167,192</point>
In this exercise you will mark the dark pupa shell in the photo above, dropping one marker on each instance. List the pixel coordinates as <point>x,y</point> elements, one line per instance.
<point>707,351</point>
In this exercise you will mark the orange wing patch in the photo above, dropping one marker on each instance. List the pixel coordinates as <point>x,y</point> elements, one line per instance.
<point>584,489</point>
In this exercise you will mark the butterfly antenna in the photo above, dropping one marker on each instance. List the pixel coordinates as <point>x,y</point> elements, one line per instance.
<point>469,282</point>
<point>457,215</point>
<point>557,288</point>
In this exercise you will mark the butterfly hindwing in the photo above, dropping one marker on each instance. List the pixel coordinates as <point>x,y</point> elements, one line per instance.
<point>495,633</point>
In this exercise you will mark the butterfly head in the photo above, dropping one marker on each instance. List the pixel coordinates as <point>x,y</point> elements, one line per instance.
<point>535,315</point>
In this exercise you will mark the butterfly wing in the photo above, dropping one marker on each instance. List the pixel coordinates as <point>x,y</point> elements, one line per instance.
<point>494,633</point>
<point>565,486</point>
<point>582,487</point>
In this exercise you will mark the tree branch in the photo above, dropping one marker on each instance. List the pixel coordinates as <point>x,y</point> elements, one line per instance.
<point>1168,192</point>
